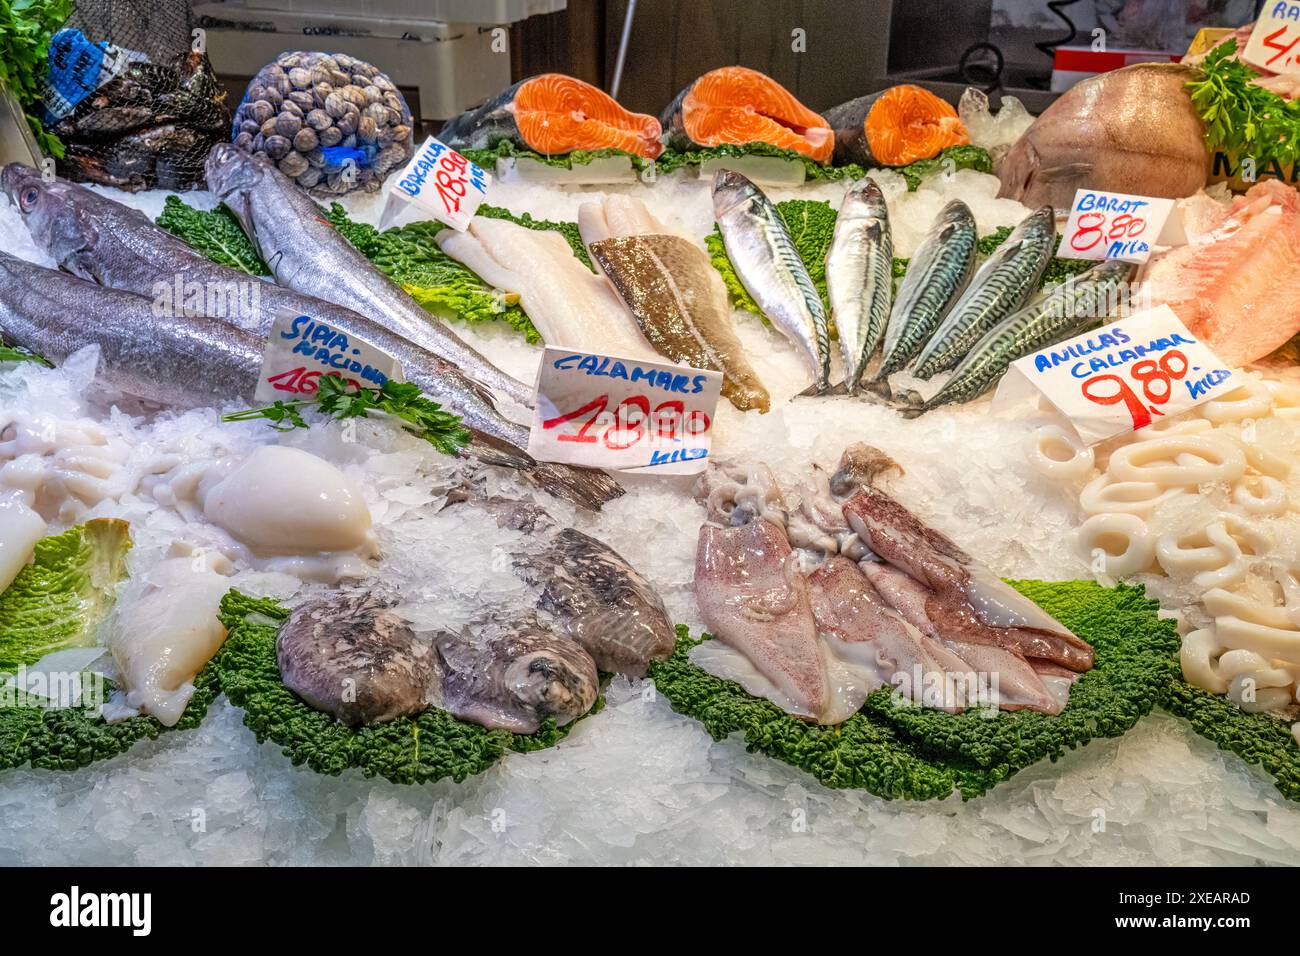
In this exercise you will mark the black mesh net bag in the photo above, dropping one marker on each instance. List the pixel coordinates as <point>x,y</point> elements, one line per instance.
<point>135,104</point>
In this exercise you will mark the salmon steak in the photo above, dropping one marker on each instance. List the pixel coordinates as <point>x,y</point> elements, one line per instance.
<point>1236,287</point>
<point>736,105</point>
<point>554,114</point>
<point>894,127</point>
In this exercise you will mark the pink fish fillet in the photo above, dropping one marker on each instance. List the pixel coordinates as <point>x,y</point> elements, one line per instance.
<point>753,598</point>
<point>1238,289</point>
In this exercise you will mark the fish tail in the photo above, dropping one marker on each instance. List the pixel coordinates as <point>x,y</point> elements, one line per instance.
<point>495,451</point>
<point>817,388</point>
<point>586,487</point>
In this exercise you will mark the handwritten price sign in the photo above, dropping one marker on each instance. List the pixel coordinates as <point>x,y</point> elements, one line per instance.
<point>1275,41</point>
<point>300,349</point>
<point>1126,375</point>
<point>608,412</point>
<point>441,182</point>
<point>1113,226</point>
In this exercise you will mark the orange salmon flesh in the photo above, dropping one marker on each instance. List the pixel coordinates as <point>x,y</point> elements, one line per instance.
<point>909,123</point>
<point>738,105</point>
<point>558,114</point>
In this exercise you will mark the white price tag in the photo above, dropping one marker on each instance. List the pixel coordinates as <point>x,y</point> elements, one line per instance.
<point>603,411</point>
<point>300,349</point>
<point>1114,226</point>
<point>1122,377</point>
<point>441,182</point>
<point>1275,39</point>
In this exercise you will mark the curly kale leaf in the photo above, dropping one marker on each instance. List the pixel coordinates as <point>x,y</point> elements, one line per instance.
<point>409,750</point>
<point>216,233</point>
<point>508,149</point>
<point>960,157</point>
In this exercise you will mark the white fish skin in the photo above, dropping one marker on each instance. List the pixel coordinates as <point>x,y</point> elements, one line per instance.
<point>571,306</point>
<point>860,277</point>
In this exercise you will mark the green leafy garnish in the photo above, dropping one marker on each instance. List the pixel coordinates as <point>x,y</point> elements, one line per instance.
<point>962,157</point>
<point>26,27</point>
<point>399,401</point>
<point>409,750</point>
<point>215,232</point>
<point>58,600</point>
<point>1241,117</point>
<point>506,149</point>
<point>17,353</point>
<point>916,753</point>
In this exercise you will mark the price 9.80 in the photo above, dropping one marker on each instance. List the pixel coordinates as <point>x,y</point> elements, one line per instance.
<point>630,422</point>
<point>1156,378</point>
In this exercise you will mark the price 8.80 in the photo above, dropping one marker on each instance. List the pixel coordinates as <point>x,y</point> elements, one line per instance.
<point>1092,228</point>
<point>1156,379</point>
<point>630,422</point>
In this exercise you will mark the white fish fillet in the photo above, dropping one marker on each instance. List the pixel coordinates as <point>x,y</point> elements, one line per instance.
<point>571,306</point>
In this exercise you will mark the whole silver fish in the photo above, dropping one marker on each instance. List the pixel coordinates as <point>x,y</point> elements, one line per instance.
<point>183,362</point>
<point>97,238</point>
<point>768,264</point>
<point>860,276</point>
<point>935,277</point>
<point>307,254</point>
<point>1001,286</point>
<point>1071,307</point>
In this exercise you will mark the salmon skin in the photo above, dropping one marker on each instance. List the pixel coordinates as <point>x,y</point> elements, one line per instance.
<point>894,127</point>
<point>736,105</point>
<point>554,114</point>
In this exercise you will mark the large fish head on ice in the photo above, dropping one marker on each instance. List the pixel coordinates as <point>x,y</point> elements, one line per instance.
<point>56,213</point>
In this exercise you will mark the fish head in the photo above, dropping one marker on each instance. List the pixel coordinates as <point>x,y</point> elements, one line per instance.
<point>731,189</point>
<point>230,171</point>
<point>57,213</point>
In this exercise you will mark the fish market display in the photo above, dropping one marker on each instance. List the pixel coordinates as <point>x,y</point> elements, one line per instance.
<point>738,105</point>
<point>894,127</point>
<point>860,277</point>
<point>20,529</point>
<point>182,362</point>
<point>759,246</point>
<point>1234,285</point>
<point>1001,286</point>
<point>513,675</point>
<point>351,656</point>
<point>889,602</point>
<point>553,114</point>
<point>571,306</point>
<point>308,255</point>
<point>162,633</point>
<point>936,276</point>
<point>674,293</point>
<point>1132,130</point>
<point>1079,302</point>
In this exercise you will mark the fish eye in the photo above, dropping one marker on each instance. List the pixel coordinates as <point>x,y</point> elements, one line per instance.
<point>27,199</point>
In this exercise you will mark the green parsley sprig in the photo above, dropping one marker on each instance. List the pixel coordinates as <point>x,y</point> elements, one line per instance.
<point>337,398</point>
<point>1241,116</point>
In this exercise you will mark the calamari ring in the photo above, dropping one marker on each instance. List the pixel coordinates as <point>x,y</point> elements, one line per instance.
<point>1220,603</point>
<point>1245,691</point>
<point>1103,495</point>
<point>1123,540</point>
<point>1251,400</point>
<point>1271,643</point>
<point>1213,555</point>
<point>1198,654</point>
<point>1265,461</point>
<point>1164,427</point>
<point>1179,461</point>
<point>1045,445</point>
<point>1270,499</point>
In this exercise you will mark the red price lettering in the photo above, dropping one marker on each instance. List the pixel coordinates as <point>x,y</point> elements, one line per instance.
<point>593,409</point>
<point>1156,379</point>
<point>1273,42</point>
<point>668,419</point>
<point>629,421</point>
<point>1089,231</point>
<point>1125,226</point>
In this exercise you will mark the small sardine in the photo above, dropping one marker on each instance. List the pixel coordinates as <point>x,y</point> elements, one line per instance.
<point>768,264</point>
<point>860,277</point>
<point>1001,286</point>
<point>936,275</point>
